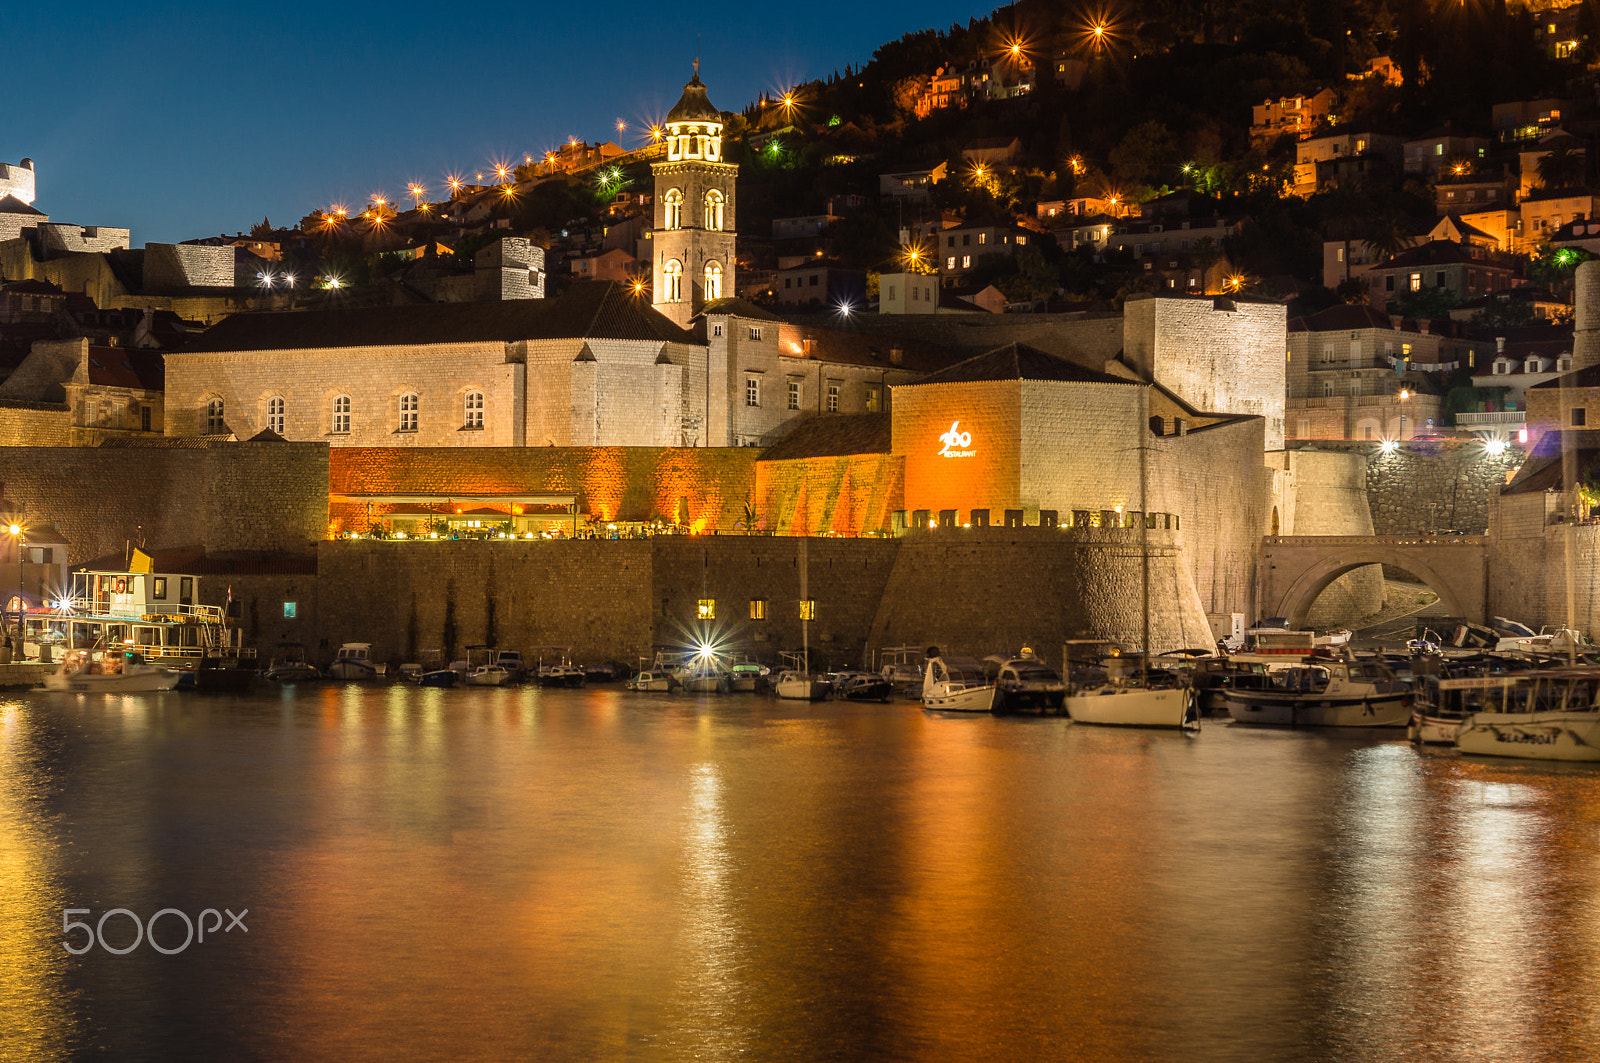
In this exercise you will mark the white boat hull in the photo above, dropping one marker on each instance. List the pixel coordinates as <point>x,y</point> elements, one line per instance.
<point>961,699</point>
<point>1571,736</point>
<point>122,683</point>
<point>1135,707</point>
<point>497,677</point>
<point>650,684</point>
<point>1386,710</point>
<point>802,689</point>
<point>1434,730</point>
<point>351,670</point>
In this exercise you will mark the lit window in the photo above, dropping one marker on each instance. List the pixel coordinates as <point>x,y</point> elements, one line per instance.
<point>288,610</point>
<point>752,391</point>
<point>713,280</point>
<point>808,609</point>
<point>714,210</point>
<point>872,400</point>
<point>983,238</point>
<point>275,415</point>
<point>950,263</point>
<point>1416,282</point>
<point>794,394</point>
<point>214,421</point>
<point>758,608</point>
<point>409,404</point>
<point>474,409</point>
<point>966,261</point>
<point>833,398</point>
<point>706,609</point>
<point>673,202</point>
<point>672,274</point>
<point>341,414</point>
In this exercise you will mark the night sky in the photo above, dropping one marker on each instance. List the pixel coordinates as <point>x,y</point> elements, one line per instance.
<point>188,120</point>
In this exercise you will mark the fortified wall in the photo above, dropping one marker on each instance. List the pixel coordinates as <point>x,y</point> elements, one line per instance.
<point>1529,554</point>
<point>1430,485</point>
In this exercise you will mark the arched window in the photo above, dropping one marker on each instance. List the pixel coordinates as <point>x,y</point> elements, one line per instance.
<point>409,406</point>
<point>215,425</point>
<point>672,275</point>
<point>275,415</point>
<point>474,404</point>
<point>341,414</point>
<point>714,210</point>
<point>674,208</point>
<point>713,280</point>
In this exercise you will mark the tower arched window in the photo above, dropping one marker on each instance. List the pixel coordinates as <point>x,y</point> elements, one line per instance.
<point>410,406</point>
<point>714,210</point>
<point>474,409</point>
<point>672,276</point>
<point>215,425</point>
<point>713,280</point>
<point>674,208</point>
<point>341,414</point>
<point>275,415</point>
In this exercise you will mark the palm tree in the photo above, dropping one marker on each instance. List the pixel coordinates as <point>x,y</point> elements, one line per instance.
<point>1389,234</point>
<point>1562,167</point>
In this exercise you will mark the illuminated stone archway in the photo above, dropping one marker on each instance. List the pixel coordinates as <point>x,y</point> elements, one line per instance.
<point>1296,569</point>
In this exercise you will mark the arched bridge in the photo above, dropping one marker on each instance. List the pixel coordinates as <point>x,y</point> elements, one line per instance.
<point>1296,568</point>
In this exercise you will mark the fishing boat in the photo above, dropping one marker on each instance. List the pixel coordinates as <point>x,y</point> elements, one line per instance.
<point>353,662</point>
<point>488,675</point>
<point>119,672</point>
<point>902,667</point>
<point>1545,715</point>
<point>746,675</point>
<point>511,661</point>
<point>555,667</point>
<point>956,684</point>
<point>1324,692</point>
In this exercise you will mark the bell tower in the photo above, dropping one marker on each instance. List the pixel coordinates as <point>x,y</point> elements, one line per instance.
<point>692,240</point>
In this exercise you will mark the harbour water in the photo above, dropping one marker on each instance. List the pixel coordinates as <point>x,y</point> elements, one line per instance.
<point>597,875</point>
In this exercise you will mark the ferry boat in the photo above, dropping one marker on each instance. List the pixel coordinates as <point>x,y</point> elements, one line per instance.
<point>157,615</point>
<point>1545,715</point>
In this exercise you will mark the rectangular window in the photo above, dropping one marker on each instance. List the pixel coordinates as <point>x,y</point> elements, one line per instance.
<point>144,418</point>
<point>706,609</point>
<point>159,590</point>
<point>966,261</point>
<point>787,281</point>
<point>185,590</point>
<point>950,263</point>
<point>813,280</point>
<point>872,400</point>
<point>966,239</point>
<point>755,332</point>
<point>808,609</point>
<point>794,394</point>
<point>983,238</point>
<point>1416,282</point>
<point>1388,284</point>
<point>752,391</point>
<point>833,398</point>
<point>758,608</point>
<point>716,330</point>
<point>288,610</point>
<point>950,241</point>
<point>1580,416</point>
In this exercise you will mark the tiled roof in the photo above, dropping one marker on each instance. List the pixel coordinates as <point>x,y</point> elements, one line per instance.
<point>848,347</point>
<point>1436,253</point>
<point>1018,361</point>
<point>127,367</point>
<point>734,306</point>
<point>10,204</point>
<point>1343,317</point>
<point>827,436</point>
<point>588,309</point>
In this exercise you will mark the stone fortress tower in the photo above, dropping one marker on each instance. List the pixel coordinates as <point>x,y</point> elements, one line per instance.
<point>692,241</point>
<point>1586,317</point>
<point>18,180</point>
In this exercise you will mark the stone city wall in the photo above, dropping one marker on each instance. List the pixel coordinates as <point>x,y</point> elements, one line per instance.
<point>851,495</point>
<point>233,497</point>
<point>1330,498</point>
<point>1432,485</point>
<point>1529,566</point>
<point>34,424</point>
<point>187,266</point>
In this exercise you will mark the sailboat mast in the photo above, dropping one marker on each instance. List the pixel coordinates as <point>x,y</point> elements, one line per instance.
<point>1144,525</point>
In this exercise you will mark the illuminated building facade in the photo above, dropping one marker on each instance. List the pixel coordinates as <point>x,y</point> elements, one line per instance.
<point>692,257</point>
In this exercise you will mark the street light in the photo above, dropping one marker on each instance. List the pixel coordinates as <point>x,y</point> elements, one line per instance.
<point>18,533</point>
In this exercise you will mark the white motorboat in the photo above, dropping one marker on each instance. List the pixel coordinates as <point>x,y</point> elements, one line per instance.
<point>902,666</point>
<point>126,672</point>
<point>1325,693</point>
<point>651,682</point>
<point>862,686</point>
<point>488,675</point>
<point>354,662</point>
<point>1135,706</point>
<point>802,686</point>
<point>957,684</point>
<point>1553,715</point>
<point>746,675</point>
<point>1026,682</point>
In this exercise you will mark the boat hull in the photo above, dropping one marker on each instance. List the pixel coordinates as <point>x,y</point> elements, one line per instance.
<point>963,699</point>
<point>442,677</point>
<point>1434,730</point>
<point>655,685</point>
<point>1379,710</point>
<point>802,689</point>
<point>134,683</point>
<point>1569,736</point>
<point>1135,707</point>
<point>351,671</point>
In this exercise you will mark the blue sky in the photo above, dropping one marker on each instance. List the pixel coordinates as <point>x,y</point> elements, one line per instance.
<point>187,120</point>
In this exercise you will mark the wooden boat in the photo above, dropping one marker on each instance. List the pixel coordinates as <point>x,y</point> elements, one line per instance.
<point>1546,715</point>
<point>124,672</point>
<point>1325,692</point>
<point>957,684</point>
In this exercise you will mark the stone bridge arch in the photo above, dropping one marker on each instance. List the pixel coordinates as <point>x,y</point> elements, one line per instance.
<point>1296,569</point>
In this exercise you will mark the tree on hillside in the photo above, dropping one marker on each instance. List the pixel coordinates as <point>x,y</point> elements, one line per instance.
<point>1562,168</point>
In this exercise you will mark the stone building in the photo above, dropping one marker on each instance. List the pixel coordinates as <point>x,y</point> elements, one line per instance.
<point>692,259</point>
<point>105,391</point>
<point>18,181</point>
<point>1355,373</point>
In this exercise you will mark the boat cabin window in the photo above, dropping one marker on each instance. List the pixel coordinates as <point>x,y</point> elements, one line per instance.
<point>185,590</point>
<point>159,588</point>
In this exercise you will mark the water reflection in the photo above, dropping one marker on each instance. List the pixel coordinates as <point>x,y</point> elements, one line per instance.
<point>491,874</point>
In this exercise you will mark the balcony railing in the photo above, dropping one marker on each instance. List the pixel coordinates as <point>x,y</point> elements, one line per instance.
<point>1465,420</point>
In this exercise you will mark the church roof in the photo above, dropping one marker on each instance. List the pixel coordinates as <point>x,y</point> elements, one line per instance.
<point>693,106</point>
<point>587,310</point>
<point>833,435</point>
<point>1018,361</point>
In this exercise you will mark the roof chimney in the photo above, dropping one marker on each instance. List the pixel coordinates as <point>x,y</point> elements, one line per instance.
<point>897,356</point>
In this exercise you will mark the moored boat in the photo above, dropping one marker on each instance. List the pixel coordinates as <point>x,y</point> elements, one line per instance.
<point>957,684</point>
<point>1134,706</point>
<point>1324,692</point>
<point>555,668</point>
<point>862,686</point>
<point>123,672</point>
<point>353,662</point>
<point>647,681</point>
<point>1026,682</point>
<point>289,665</point>
<point>1548,715</point>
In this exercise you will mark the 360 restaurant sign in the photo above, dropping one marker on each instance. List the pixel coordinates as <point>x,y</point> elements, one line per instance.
<point>957,444</point>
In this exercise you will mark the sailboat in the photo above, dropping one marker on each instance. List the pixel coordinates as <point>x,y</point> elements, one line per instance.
<point>796,682</point>
<point>1119,702</point>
